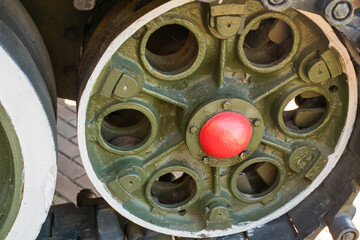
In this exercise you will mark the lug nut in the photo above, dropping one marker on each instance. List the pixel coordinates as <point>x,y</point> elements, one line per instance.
<point>227,105</point>
<point>277,5</point>
<point>193,129</point>
<point>276,2</point>
<point>244,154</point>
<point>341,11</point>
<point>205,160</point>
<point>256,122</point>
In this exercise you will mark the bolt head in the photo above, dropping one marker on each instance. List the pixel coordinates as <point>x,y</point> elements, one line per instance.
<point>256,122</point>
<point>349,236</point>
<point>193,129</point>
<point>276,2</point>
<point>341,11</point>
<point>205,160</point>
<point>244,155</point>
<point>227,105</point>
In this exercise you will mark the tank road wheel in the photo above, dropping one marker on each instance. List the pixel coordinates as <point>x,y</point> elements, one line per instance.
<point>206,120</point>
<point>27,121</point>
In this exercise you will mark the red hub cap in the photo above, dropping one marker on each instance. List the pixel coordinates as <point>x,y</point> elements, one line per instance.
<point>225,135</point>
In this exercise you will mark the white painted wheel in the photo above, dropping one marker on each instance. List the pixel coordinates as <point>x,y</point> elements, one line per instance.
<point>236,228</point>
<point>28,122</point>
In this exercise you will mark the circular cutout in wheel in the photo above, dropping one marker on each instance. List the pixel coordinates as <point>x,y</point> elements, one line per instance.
<point>221,194</point>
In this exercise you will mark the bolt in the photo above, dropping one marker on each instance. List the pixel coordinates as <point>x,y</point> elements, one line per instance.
<point>205,160</point>
<point>348,236</point>
<point>341,11</point>
<point>227,105</point>
<point>193,129</point>
<point>256,122</point>
<point>276,2</point>
<point>244,154</point>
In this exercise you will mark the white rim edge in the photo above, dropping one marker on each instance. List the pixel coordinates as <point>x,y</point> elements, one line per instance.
<point>38,149</point>
<point>333,158</point>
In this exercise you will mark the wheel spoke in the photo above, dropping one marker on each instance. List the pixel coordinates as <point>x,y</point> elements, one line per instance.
<point>241,109</point>
<point>166,95</point>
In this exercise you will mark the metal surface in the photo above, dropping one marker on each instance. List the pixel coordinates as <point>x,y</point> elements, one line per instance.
<point>27,123</point>
<point>277,5</point>
<point>84,5</point>
<point>10,174</point>
<point>13,14</point>
<point>302,222</point>
<point>342,228</point>
<point>62,28</point>
<point>144,146</point>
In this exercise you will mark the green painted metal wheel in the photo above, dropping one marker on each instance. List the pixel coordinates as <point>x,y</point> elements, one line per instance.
<point>10,173</point>
<point>174,67</point>
<point>27,121</point>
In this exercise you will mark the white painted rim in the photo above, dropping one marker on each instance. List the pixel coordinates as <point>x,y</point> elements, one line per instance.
<point>32,127</point>
<point>333,158</point>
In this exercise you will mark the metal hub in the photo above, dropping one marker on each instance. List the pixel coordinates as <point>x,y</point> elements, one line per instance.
<point>225,135</point>
<point>243,142</point>
<point>155,116</point>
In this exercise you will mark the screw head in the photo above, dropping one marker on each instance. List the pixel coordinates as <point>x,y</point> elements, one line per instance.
<point>205,160</point>
<point>256,122</point>
<point>276,2</point>
<point>341,11</point>
<point>244,155</point>
<point>227,105</point>
<point>193,129</point>
<point>348,236</point>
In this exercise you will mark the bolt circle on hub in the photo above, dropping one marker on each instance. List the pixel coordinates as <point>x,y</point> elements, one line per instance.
<point>223,135</point>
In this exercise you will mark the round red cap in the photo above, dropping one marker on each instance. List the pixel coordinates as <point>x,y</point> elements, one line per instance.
<point>225,135</point>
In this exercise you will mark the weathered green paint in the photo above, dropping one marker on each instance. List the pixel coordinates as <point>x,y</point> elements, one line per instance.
<point>212,108</point>
<point>226,19</point>
<point>281,63</point>
<point>168,19</point>
<point>269,193</point>
<point>127,87</point>
<point>291,94</point>
<point>11,179</point>
<point>301,157</point>
<point>318,71</point>
<point>177,104</point>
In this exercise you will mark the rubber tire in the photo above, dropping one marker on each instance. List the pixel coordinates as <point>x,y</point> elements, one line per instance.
<point>26,99</point>
<point>14,15</point>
